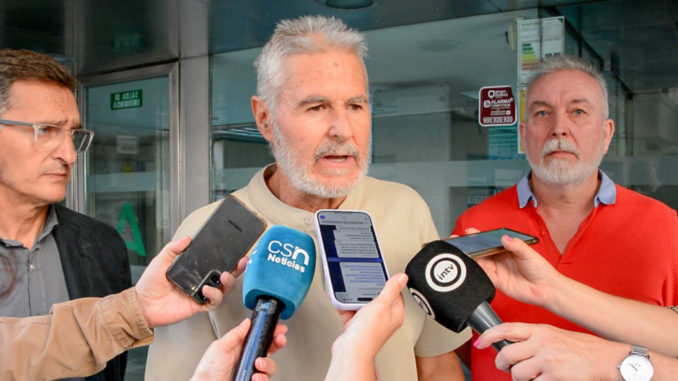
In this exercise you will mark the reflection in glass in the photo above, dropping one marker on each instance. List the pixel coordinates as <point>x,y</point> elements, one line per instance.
<point>128,163</point>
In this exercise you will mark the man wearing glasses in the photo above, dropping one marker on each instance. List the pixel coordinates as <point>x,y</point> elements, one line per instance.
<point>48,253</point>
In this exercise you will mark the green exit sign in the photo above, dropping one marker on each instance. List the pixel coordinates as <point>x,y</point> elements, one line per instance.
<point>126,99</point>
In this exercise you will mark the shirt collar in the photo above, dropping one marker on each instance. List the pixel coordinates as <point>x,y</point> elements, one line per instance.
<point>50,222</point>
<point>607,192</point>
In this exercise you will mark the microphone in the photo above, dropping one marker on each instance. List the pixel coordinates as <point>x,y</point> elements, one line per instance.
<point>452,288</point>
<point>276,280</point>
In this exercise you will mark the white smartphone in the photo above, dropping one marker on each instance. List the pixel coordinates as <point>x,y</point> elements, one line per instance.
<point>354,267</point>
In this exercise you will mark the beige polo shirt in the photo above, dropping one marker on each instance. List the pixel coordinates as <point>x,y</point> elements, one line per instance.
<point>402,222</point>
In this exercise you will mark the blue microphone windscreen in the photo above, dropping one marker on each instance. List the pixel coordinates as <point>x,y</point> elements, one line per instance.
<point>281,265</point>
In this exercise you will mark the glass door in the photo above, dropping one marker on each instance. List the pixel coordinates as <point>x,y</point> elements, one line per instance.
<point>127,170</point>
<point>128,173</point>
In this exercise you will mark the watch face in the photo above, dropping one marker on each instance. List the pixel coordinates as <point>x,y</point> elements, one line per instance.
<point>636,368</point>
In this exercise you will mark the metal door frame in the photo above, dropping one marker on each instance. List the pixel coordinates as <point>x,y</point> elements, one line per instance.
<point>77,192</point>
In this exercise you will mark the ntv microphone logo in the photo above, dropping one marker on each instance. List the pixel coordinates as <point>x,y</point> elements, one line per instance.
<point>288,254</point>
<point>445,272</point>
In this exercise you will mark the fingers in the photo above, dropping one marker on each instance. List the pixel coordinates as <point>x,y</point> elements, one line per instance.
<point>389,297</point>
<point>519,248</point>
<point>222,355</point>
<point>393,287</point>
<point>259,377</point>
<point>279,339</point>
<point>214,296</point>
<point>510,355</point>
<point>526,369</point>
<point>466,231</point>
<point>487,264</point>
<point>227,282</point>
<point>169,252</point>
<point>236,336</point>
<point>174,248</point>
<point>266,366</point>
<point>346,316</point>
<point>514,332</point>
<point>240,267</point>
<point>519,357</point>
<point>392,293</point>
<point>514,357</point>
<point>153,281</point>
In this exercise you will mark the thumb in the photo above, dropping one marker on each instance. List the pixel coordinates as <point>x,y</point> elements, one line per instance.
<point>517,246</point>
<point>393,286</point>
<point>174,248</point>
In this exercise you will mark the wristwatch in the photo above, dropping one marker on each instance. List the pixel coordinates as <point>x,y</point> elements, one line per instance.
<point>636,366</point>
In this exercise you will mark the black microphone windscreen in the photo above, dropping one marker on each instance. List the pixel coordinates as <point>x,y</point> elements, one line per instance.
<point>448,284</point>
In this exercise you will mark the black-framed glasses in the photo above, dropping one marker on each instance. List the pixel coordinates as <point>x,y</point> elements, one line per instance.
<point>49,136</point>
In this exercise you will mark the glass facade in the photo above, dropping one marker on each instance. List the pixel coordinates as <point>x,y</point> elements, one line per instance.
<point>424,82</point>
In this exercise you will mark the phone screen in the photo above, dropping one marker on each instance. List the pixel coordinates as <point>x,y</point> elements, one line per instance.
<point>351,255</point>
<point>487,242</point>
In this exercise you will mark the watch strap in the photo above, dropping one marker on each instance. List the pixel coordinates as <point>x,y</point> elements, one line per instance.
<point>638,350</point>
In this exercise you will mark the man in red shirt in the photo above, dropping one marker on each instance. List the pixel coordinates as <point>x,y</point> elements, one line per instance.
<point>591,230</point>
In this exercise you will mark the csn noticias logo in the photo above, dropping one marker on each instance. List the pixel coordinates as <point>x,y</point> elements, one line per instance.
<point>287,254</point>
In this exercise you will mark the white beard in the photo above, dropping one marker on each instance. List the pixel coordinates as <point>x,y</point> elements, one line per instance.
<point>563,172</point>
<point>301,173</point>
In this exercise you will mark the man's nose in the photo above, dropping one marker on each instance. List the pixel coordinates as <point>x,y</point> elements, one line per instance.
<point>340,124</point>
<point>65,151</point>
<point>560,126</point>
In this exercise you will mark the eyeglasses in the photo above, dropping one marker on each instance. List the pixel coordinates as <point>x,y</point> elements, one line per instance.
<point>49,136</point>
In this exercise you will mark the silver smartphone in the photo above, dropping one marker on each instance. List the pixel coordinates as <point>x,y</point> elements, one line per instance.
<point>488,242</point>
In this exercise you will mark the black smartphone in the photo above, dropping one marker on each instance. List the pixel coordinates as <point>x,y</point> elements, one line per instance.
<point>488,242</point>
<point>354,267</point>
<point>225,237</point>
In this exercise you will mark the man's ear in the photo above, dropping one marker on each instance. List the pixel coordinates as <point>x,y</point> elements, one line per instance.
<point>608,133</point>
<point>521,134</point>
<point>262,118</point>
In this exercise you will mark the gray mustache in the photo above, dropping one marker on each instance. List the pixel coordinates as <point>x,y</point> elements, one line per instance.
<point>336,149</point>
<point>559,145</point>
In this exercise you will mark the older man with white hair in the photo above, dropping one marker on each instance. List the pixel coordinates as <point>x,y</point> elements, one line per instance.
<point>312,106</point>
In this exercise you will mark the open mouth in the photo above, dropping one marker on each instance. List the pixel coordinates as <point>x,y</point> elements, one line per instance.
<point>337,158</point>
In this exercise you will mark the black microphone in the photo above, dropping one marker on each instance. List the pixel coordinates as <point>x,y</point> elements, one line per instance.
<point>275,283</point>
<point>452,288</point>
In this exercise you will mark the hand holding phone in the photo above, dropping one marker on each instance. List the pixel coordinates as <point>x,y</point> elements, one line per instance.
<point>488,242</point>
<point>225,237</point>
<point>354,268</point>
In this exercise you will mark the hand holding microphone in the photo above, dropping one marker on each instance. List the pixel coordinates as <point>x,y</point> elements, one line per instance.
<point>275,283</point>
<point>452,288</point>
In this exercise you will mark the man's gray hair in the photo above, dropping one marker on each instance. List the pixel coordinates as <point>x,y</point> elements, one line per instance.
<point>570,62</point>
<point>304,35</point>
